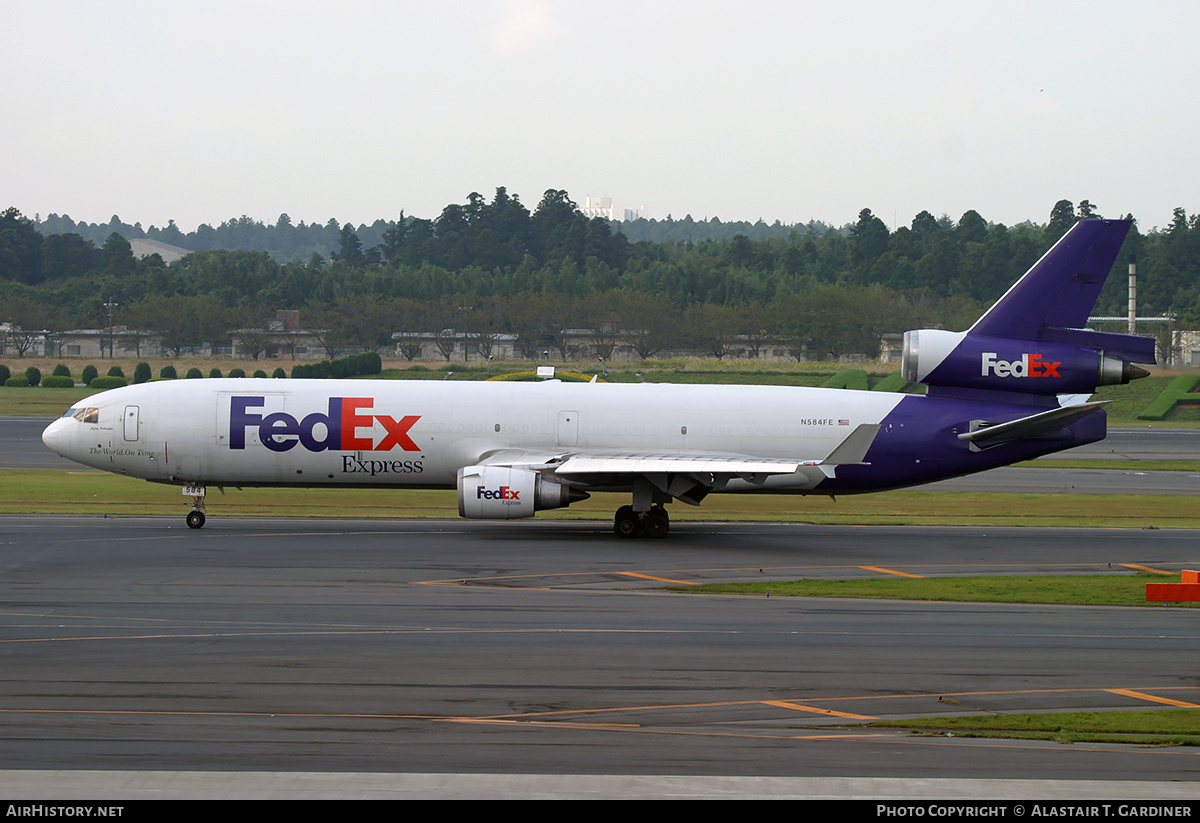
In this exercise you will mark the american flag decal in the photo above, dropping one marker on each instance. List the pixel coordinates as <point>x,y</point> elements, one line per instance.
<point>843,422</point>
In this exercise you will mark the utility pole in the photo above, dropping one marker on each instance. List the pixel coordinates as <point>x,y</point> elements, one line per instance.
<point>1132,295</point>
<point>110,305</point>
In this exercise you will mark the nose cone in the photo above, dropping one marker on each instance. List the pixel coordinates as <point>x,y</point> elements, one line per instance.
<point>53,436</point>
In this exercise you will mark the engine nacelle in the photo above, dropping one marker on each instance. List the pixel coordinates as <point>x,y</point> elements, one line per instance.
<point>503,493</point>
<point>1046,367</point>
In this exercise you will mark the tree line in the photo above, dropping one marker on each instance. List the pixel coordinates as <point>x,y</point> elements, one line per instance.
<point>495,266</point>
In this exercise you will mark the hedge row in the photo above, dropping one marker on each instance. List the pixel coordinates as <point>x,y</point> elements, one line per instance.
<point>1180,390</point>
<point>352,366</point>
<point>366,363</point>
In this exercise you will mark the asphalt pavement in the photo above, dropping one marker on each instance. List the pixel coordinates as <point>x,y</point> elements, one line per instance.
<point>282,657</point>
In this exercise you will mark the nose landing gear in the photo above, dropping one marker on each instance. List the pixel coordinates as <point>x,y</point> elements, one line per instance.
<point>195,518</point>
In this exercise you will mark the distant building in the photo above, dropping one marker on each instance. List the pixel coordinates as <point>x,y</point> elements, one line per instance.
<point>281,337</point>
<point>449,344</point>
<point>118,341</point>
<point>891,348</point>
<point>20,342</point>
<point>603,207</point>
<point>1187,345</point>
<point>143,247</point>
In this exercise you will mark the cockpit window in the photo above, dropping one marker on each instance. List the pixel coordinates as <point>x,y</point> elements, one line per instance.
<point>84,414</point>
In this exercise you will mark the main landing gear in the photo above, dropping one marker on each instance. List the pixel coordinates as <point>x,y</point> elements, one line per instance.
<point>653,523</point>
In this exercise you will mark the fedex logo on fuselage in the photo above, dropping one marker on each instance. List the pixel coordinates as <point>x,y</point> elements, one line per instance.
<point>334,430</point>
<point>1030,365</point>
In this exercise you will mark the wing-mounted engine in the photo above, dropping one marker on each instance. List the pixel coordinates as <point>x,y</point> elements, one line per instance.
<point>506,493</point>
<point>1063,361</point>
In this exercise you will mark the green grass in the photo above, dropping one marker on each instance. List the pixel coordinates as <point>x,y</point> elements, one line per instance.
<point>1114,465</point>
<point>39,401</point>
<point>32,491</point>
<point>1121,588</point>
<point>1158,727</point>
<point>1128,401</point>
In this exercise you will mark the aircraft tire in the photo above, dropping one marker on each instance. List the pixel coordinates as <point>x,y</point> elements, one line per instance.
<point>195,520</point>
<point>626,523</point>
<point>657,524</point>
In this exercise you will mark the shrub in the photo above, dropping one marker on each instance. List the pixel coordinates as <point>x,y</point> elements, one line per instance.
<point>116,371</point>
<point>193,373</point>
<point>108,382</point>
<point>89,374</point>
<point>17,382</point>
<point>279,372</point>
<point>61,371</point>
<point>142,373</point>
<point>58,381</point>
<point>34,375</point>
<point>215,372</point>
<point>235,372</point>
<point>372,363</point>
<point>4,374</point>
<point>167,373</point>
<point>259,373</point>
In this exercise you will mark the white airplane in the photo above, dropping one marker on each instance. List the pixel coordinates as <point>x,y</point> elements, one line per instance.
<point>512,449</point>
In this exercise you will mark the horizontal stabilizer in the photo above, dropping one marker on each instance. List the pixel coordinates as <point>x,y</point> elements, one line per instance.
<point>986,434</point>
<point>1127,347</point>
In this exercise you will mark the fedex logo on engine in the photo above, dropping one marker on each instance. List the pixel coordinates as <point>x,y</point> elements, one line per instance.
<point>337,429</point>
<point>1030,365</point>
<point>502,493</point>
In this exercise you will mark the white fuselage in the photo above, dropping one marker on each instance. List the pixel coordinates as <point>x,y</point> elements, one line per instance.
<point>420,433</point>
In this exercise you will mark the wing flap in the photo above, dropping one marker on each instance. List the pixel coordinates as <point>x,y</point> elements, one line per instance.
<point>688,477</point>
<point>672,463</point>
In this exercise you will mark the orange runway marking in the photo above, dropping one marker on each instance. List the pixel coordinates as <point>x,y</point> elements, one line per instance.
<point>882,570</point>
<point>1138,568</point>
<point>1153,699</point>
<point>659,579</point>
<point>783,704</point>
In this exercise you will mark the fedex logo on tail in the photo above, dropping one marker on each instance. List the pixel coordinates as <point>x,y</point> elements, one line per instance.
<point>1030,365</point>
<point>337,429</point>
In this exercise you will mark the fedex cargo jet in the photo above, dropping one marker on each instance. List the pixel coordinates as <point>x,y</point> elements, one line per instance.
<point>512,449</point>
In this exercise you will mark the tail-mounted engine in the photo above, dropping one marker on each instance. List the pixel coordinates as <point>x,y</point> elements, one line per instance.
<point>1064,361</point>
<point>503,493</point>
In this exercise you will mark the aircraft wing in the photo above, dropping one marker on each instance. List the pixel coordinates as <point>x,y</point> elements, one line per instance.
<point>686,476</point>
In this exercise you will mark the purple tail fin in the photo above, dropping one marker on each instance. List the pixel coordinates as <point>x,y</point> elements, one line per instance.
<point>1061,289</point>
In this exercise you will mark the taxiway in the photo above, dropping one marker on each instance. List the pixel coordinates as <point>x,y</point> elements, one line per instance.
<point>395,654</point>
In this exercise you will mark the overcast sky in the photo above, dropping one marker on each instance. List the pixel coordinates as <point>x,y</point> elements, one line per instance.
<point>791,111</point>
